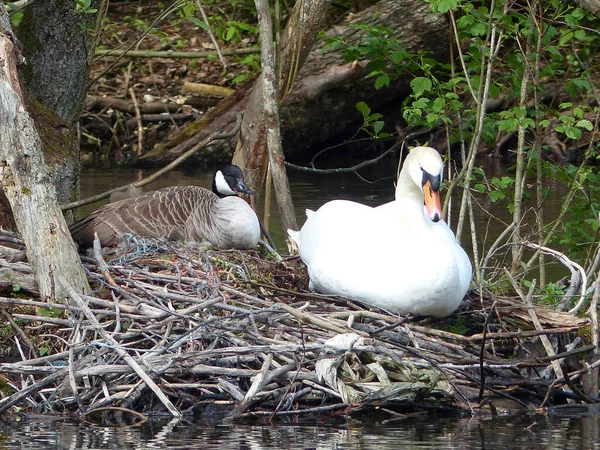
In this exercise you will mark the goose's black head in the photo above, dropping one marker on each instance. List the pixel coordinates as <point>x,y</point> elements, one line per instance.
<point>229,180</point>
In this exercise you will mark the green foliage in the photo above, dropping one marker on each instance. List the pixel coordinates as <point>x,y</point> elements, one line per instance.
<point>551,294</point>
<point>233,21</point>
<point>572,125</point>
<point>84,7</point>
<point>578,231</point>
<point>49,312</point>
<point>497,188</point>
<point>552,48</point>
<point>457,326</point>
<point>372,125</point>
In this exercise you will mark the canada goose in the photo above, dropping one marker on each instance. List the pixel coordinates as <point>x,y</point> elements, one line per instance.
<point>399,256</point>
<point>188,213</point>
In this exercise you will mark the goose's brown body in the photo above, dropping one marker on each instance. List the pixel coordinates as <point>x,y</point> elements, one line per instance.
<point>187,213</point>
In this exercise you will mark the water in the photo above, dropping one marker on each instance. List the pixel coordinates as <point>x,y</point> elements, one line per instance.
<point>530,432</point>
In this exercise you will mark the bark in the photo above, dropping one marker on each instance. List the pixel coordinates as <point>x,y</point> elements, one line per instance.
<point>592,6</point>
<point>57,43</point>
<point>322,102</point>
<point>297,39</point>
<point>28,186</point>
<point>270,112</point>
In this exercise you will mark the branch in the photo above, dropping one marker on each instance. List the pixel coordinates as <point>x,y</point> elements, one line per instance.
<point>354,168</point>
<point>119,350</point>
<point>172,54</point>
<point>149,179</point>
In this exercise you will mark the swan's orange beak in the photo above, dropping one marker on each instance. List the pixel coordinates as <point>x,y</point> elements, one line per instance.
<point>433,203</point>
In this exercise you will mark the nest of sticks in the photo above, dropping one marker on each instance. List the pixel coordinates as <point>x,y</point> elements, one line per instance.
<point>235,334</point>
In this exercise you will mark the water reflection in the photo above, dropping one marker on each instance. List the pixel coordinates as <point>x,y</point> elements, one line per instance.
<point>421,432</point>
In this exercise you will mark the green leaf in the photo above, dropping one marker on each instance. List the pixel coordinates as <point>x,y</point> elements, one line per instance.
<point>432,119</point>
<point>421,103</point>
<point>420,85</point>
<point>494,196</point>
<point>230,33</point>
<point>364,109</point>
<point>479,29</point>
<point>378,126</point>
<point>199,23</point>
<point>442,6</point>
<point>593,223</point>
<point>398,56</point>
<point>381,81</point>
<point>438,105</point>
<point>585,124</point>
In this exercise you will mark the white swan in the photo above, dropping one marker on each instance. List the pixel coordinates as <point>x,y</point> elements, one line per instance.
<point>399,256</point>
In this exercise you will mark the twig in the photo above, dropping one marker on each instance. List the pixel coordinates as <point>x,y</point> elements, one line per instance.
<point>32,348</point>
<point>203,143</point>
<point>536,322</point>
<point>572,266</point>
<point>128,359</point>
<point>14,399</point>
<point>258,383</point>
<point>319,322</point>
<point>175,54</point>
<point>352,169</point>
<point>138,117</point>
<point>97,247</point>
<point>209,31</point>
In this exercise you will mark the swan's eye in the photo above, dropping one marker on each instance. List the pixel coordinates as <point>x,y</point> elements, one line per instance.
<point>435,180</point>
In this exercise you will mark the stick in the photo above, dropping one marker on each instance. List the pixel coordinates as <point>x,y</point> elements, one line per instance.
<point>173,54</point>
<point>536,322</point>
<point>122,353</point>
<point>138,118</point>
<point>203,143</point>
<point>319,322</point>
<point>258,383</point>
<point>572,266</point>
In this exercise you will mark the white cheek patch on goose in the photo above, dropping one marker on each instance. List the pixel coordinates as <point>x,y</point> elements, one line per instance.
<point>222,185</point>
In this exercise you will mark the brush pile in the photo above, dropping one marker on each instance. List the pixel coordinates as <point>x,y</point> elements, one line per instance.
<point>183,330</point>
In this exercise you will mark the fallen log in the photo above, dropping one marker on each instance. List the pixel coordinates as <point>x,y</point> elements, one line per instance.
<point>321,104</point>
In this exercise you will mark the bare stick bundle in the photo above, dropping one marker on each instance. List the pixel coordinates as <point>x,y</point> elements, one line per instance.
<point>176,328</point>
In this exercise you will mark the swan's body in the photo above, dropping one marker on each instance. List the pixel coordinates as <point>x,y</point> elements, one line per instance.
<point>399,256</point>
<point>187,213</point>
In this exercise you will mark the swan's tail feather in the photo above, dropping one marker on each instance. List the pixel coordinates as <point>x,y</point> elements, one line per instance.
<point>293,241</point>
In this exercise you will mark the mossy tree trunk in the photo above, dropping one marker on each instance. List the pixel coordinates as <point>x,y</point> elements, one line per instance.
<point>57,43</point>
<point>31,180</point>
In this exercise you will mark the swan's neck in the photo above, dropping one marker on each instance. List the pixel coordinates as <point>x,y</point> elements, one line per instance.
<point>409,198</point>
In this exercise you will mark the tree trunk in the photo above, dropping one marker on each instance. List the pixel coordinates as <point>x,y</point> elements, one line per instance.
<point>28,186</point>
<point>264,126</point>
<point>57,43</point>
<point>322,103</point>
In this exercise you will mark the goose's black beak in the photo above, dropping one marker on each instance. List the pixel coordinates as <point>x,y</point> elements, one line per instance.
<point>243,187</point>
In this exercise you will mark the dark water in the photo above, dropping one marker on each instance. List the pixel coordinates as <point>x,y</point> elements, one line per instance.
<point>502,433</point>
